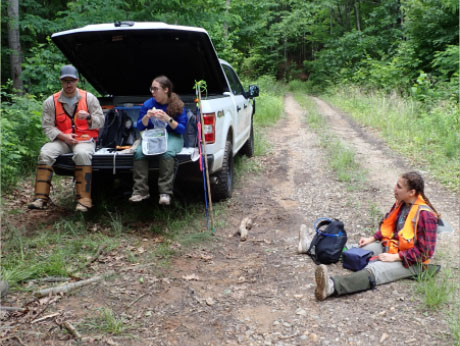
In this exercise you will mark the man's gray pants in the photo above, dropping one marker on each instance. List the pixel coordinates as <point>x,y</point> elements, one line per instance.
<point>82,152</point>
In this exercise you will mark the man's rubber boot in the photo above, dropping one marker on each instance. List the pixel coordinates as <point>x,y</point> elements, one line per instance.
<point>42,187</point>
<point>362,280</point>
<point>141,177</point>
<point>83,176</point>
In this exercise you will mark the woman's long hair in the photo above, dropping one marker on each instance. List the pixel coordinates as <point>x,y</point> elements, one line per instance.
<point>175,104</point>
<point>415,182</point>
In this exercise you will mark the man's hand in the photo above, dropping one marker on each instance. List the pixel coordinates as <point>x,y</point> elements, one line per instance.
<point>83,115</point>
<point>389,257</point>
<point>68,138</point>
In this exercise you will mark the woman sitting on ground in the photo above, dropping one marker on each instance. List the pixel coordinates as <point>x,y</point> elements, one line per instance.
<point>406,240</point>
<point>167,107</point>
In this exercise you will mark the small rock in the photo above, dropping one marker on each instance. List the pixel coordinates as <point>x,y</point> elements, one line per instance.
<point>313,337</point>
<point>301,312</point>
<point>383,337</point>
<point>210,301</point>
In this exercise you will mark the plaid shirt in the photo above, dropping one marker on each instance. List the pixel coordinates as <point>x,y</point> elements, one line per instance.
<point>425,239</point>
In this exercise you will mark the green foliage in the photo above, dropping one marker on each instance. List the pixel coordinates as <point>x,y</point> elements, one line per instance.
<point>436,290</point>
<point>105,321</point>
<point>269,108</point>
<point>382,44</point>
<point>341,159</point>
<point>425,134</point>
<point>21,136</point>
<point>49,252</point>
<point>41,69</point>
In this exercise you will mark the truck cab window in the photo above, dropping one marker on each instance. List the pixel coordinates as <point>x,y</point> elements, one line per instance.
<point>237,88</point>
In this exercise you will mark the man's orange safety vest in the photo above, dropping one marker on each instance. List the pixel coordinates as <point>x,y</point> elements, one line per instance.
<point>408,234</point>
<point>66,124</point>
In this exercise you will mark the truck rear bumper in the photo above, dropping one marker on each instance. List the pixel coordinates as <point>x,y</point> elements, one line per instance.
<point>114,164</point>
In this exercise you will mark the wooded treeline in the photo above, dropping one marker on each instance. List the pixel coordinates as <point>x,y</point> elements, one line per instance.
<point>409,46</point>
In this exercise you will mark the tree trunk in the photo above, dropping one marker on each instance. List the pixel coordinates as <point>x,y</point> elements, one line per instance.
<point>358,22</point>
<point>227,9</point>
<point>15,45</point>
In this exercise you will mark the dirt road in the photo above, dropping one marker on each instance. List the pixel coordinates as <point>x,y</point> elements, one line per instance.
<point>260,292</point>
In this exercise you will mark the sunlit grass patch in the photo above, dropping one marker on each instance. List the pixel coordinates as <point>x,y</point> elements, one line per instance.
<point>425,134</point>
<point>341,159</point>
<point>104,321</point>
<point>436,290</point>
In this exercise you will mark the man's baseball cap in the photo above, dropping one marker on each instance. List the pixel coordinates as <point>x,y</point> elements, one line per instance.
<point>69,71</point>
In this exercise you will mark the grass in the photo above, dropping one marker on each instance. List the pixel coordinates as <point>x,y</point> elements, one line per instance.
<point>441,292</point>
<point>341,159</point>
<point>53,250</point>
<point>105,321</point>
<point>436,290</point>
<point>269,109</point>
<point>427,135</point>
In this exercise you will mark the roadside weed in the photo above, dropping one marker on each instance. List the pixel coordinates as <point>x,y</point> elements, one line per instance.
<point>435,290</point>
<point>344,164</point>
<point>261,145</point>
<point>342,159</point>
<point>375,214</point>
<point>425,134</point>
<point>454,323</point>
<point>116,223</point>
<point>104,321</point>
<point>269,109</point>
<point>441,291</point>
<point>54,250</point>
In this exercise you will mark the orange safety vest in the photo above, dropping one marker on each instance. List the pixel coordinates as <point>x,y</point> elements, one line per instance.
<point>66,124</point>
<point>408,234</point>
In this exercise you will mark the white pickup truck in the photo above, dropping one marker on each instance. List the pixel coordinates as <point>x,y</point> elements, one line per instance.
<point>120,61</point>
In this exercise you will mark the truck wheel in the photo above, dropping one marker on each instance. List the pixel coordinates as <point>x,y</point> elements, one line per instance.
<point>248,147</point>
<point>224,187</point>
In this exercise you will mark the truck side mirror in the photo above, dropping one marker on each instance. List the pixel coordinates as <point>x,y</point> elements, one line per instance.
<point>253,91</point>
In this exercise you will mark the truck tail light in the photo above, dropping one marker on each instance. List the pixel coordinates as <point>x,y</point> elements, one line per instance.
<point>209,127</point>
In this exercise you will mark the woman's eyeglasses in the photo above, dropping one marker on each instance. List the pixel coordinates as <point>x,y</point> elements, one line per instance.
<point>154,89</point>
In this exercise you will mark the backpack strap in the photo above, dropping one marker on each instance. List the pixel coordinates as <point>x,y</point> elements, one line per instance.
<point>321,221</point>
<point>313,244</point>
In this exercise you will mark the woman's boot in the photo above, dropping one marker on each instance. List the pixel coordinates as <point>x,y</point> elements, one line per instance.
<point>345,284</point>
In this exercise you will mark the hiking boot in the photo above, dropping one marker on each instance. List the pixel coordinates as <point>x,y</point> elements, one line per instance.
<point>39,203</point>
<point>304,240</point>
<point>165,199</point>
<point>324,284</point>
<point>81,207</point>
<point>138,198</point>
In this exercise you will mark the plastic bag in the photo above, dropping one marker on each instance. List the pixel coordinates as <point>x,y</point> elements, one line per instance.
<point>154,141</point>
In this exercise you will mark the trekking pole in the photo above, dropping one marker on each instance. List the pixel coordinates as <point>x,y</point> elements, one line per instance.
<point>199,85</point>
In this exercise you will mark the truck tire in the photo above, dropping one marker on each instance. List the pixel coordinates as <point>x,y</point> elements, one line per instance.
<point>224,187</point>
<point>248,147</point>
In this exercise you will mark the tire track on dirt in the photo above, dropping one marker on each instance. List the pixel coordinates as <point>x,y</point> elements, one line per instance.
<point>263,291</point>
